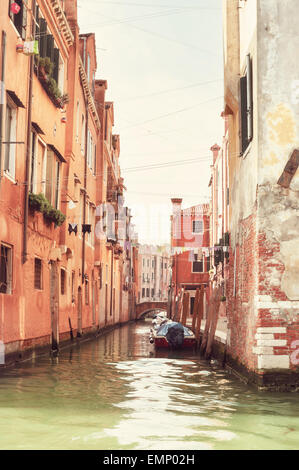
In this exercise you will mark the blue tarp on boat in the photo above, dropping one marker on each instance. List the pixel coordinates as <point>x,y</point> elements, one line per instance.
<point>163,330</point>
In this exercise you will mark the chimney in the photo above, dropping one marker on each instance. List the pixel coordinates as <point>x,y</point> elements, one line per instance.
<point>176,205</point>
<point>215,149</point>
<point>71,10</point>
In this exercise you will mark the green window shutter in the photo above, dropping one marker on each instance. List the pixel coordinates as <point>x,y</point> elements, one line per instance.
<point>243,115</point>
<point>56,64</point>
<point>42,37</point>
<point>50,47</point>
<point>249,99</point>
<point>24,21</point>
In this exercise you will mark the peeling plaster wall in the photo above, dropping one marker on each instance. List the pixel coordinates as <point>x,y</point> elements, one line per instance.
<point>263,291</point>
<point>278,73</point>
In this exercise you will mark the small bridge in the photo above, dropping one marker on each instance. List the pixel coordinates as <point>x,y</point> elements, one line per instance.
<point>146,307</point>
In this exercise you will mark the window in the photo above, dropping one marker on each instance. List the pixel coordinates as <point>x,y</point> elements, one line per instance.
<point>57,184</point>
<point>5,269</point>
<point>77,122</point>
<point>62,281</point>
<point>73,287</point>
<point>197,226</point>
<point>95,160</point>
<point>86,292</point>
<point>38,274</point>
<point>53,169</point>
<point>33,162</point>
<point>246,107</point>
<point>147,292</point>
<point>153,292</point>
<point>19,19</point>
<point>48,48</point>
<point>10,137</point>
<point>143,292</point>
<point>83,134</point>
<point>90,150</point>
<point>197,265</point>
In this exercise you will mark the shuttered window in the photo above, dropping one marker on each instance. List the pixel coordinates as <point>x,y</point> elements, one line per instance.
<point>38,273</point>
<point>197,265</point>
<point>5,269</point>
<point>62,281</point>
<point>246,107</point>
<point>19,19</point>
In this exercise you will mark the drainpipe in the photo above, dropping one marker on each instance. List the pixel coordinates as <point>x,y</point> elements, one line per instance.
<point>84,203</point>
<point>28,147</point>
<point>3,52</point>
<point>111,287</point>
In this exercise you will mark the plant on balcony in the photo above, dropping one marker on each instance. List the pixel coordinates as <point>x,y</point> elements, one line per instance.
<point>45,69</point>
<point>38,202</point>
<point>44,66</point>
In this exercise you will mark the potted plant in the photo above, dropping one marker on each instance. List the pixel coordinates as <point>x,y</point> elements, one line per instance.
<point>37,202</point>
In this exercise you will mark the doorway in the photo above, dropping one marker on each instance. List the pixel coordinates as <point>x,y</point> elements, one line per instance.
<point>54,306</point>
<point>79,328</point>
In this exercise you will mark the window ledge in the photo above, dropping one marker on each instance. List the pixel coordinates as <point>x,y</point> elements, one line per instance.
<point>16,31</point>
<point>247,151</point>
<point>9,177</point>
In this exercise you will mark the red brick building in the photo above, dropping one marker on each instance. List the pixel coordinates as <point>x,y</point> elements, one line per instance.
<point>190,242</point>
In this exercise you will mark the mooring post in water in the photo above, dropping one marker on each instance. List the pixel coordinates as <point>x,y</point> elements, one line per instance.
<point>213,325</point>
<point>179,303</point>
<point>71,330</point>
<point>195,309</point>
<point>207,325</point>
<point>199,313</point>
<point>185,308</point>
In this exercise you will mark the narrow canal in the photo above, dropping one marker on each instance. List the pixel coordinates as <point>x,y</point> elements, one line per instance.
<point>117,393</point>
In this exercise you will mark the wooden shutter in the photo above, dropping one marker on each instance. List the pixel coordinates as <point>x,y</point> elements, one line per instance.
<point>249,99</point>
<point>42,37</point>
<point>243,115</point>
<point>56,64</point>
<point>50,47</point>
<point>24,21</point>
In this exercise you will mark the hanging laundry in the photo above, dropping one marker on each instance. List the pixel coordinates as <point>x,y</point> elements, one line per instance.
<point>31,48</point>
<point>15,8</point>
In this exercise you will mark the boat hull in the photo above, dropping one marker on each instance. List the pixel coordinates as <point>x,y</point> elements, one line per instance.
<point>161,342</point>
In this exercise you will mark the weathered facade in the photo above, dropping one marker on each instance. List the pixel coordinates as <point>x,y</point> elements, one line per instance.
<point>260,43</point>
<point>60,277</point>
<point>219,219</point>
<point>190,250</point>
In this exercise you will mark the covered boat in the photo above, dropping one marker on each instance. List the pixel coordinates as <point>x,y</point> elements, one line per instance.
<point>173,335</point>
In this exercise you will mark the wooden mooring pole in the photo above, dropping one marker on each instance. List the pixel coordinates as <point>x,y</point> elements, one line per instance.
<point>185,308</point>
<point>213,325</point>
<point>213,308</point>
<point>199,313</point>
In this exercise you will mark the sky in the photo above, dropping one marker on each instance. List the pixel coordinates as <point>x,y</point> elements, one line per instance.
<point>163,63</point>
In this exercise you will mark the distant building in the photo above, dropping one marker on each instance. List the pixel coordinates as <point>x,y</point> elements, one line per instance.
<point>190,248</point>
<point>153,267</point>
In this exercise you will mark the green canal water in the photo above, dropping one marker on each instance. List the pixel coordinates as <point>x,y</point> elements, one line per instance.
<point>116,393</point>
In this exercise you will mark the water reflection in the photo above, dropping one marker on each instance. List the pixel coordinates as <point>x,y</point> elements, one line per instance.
<point>117,393</point>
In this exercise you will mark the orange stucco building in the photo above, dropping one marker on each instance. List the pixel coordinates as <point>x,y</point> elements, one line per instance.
<point>61,276</point>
